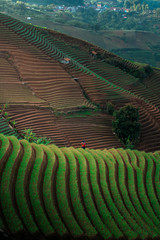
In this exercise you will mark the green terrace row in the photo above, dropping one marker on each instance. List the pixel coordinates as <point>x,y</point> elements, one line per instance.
<point>83,57</point>
<point>52,192</point>
<point>79,43</point>
<point>13,23</point>
<point>46,43</point>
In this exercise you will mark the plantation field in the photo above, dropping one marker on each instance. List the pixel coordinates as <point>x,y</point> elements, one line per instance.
<point>48,192</point>
<point>67,101</point>
<point>139,46</point>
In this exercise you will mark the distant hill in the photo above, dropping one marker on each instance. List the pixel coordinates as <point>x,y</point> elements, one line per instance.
<point>60,2</point>
<point>153,4</point>
<point>60,86</point>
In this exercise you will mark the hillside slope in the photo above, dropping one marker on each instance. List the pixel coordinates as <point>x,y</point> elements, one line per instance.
<point>139,46</point>
<point>66,101</point>
<point>48,192</point>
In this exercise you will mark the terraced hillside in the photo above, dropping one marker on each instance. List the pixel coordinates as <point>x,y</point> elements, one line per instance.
<point>48,192</point>
<point>59,86</point>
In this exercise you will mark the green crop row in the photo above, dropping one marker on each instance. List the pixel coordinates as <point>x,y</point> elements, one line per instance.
<point>137,210</point>
<point>21,190</point>
<point>67,192</point>
<point>139,169</point>
<point>156,157</point>
<point>114,170</point>
<point>79,210</point>
<point>35,192</point>
<point>49,194</point>
<point>61,193</point>
<point>100,203</point>
<point>7,186</point>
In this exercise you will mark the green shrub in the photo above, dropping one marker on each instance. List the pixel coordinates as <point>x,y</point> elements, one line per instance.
<point>13,123</point>
<point>43,140</point>
<point>30,136</point>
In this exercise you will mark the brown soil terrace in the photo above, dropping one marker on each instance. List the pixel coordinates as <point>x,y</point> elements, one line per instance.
<point>37,87</point>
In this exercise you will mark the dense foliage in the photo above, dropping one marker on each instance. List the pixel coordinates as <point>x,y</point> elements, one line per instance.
<point>137,18</point>
<point>66,2</point>
<point>126,125</point>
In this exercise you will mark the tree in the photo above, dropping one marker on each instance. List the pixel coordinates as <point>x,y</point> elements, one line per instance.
<point>127,4</point>
<point>126,125</point>
<point>158,12</point>
<point>21,6</point>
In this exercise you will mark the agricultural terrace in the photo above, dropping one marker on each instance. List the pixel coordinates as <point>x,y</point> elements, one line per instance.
<point>66,100</point>
<point>47,192</point>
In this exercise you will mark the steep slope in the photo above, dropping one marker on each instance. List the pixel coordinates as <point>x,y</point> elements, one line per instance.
<point>135,45</point>
<point>48,192</point>
<point>59,82</point>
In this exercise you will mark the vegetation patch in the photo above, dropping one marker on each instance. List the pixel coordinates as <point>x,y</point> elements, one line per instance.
<point>126,125</point>
<point>30,136</point>
<point>140,71</point>
<point>113,193</point>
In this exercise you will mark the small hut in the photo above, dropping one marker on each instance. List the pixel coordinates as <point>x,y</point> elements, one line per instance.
<point>94,54</point>
<point>65,60</point>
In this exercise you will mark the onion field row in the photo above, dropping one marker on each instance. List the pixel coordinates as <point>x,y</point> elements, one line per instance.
<point>57,193</point>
